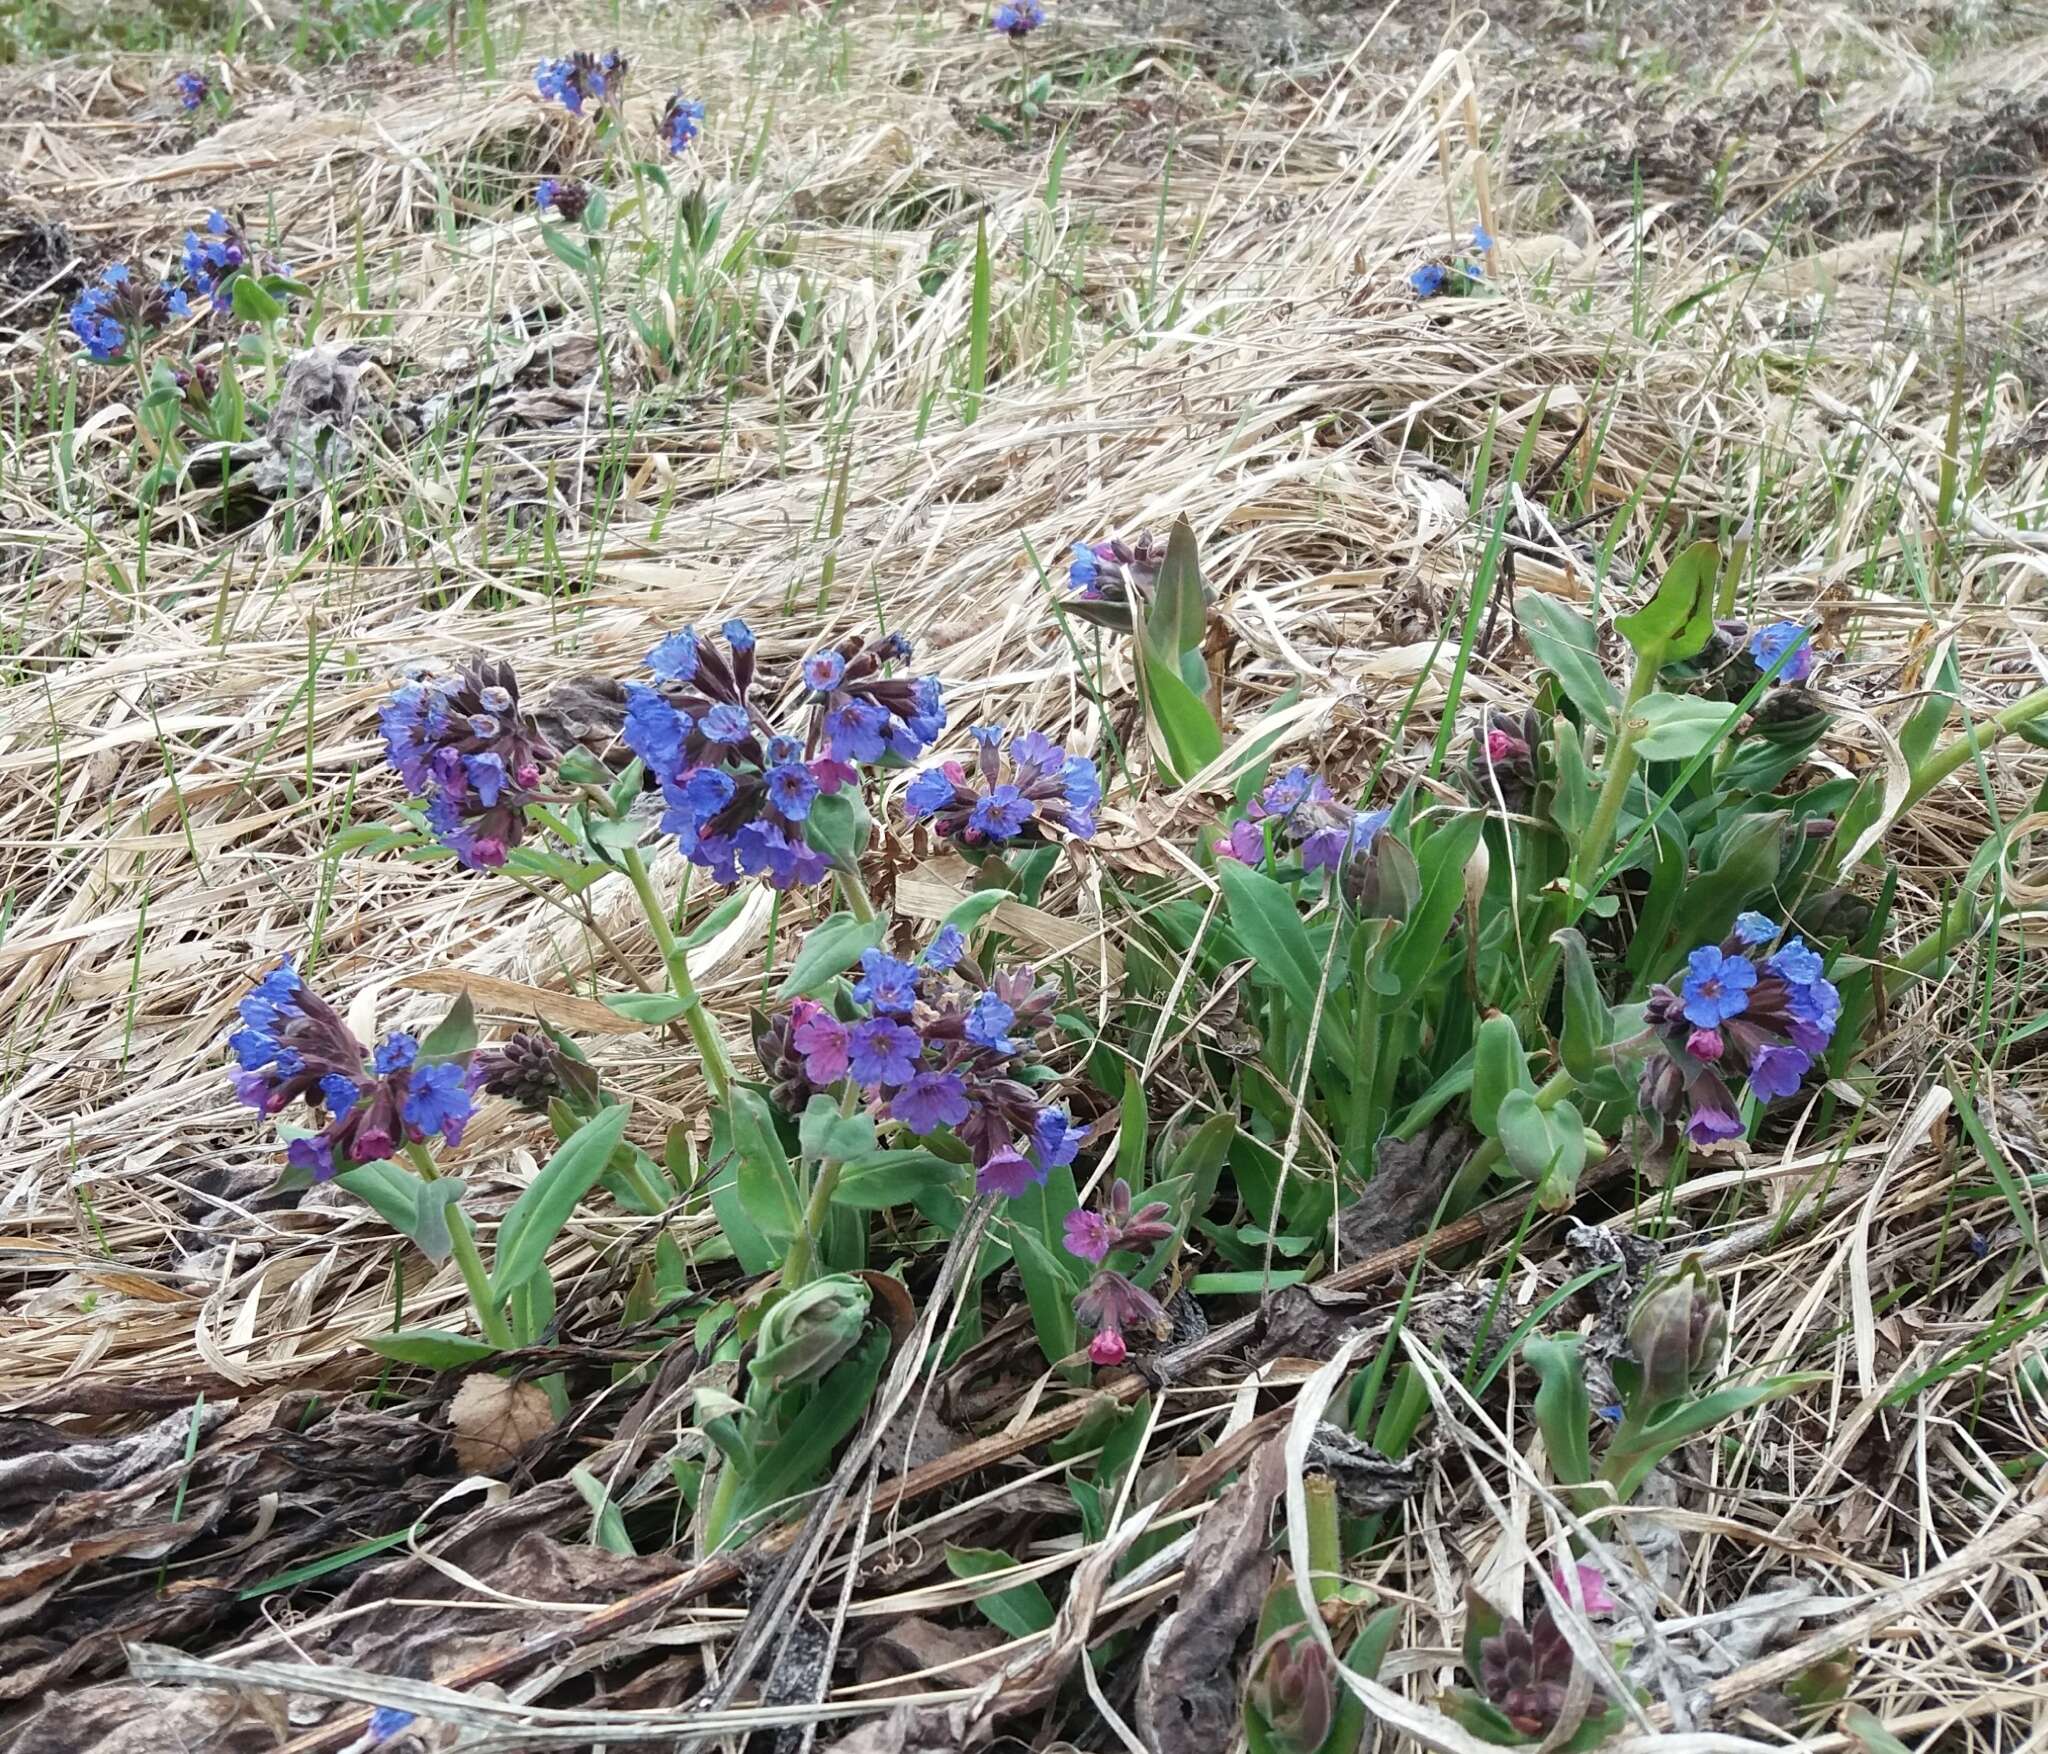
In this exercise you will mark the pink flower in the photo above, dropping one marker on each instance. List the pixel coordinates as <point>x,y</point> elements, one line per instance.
<point>1705,1044</point>
<point>821,1039</point>
<point>1090,1236</point>
<point>1503,747</point>
<point>1244,843</point>
<point>1592,1585</point>
<point>1107,1348</point>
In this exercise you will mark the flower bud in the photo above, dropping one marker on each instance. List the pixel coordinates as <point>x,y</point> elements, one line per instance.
<point>1294,1691</point>
<point>1676,1333</point>
<point>1526,1674</point>
<point>1834,913</point>
<point>1381,882</point>
<point>808,1331</point>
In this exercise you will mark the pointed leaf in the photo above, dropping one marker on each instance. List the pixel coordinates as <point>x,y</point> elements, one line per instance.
<point>537,1217</point>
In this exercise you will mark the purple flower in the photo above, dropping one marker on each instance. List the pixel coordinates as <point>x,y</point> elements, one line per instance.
<point>680,121</point>
<point>929,1101</point>
<point>1008,1173</point>
<point>1293,790</point>
<point>988,1020</point>
<point>212,262</point>
<point>822,1041</point>
<point>862,715</point>
<point>192,88</point>
<point>1784,640</point>
<point>564,195</point>
<point>1017,790</point>
<point>823,671</point>
<point>1089,1235</point>
<point>1795,962</point>
<point>293,1046</point>
<point>1717,986</point>
<point>1113,1306</point>
<point>1055,1140</point>
<point>1775,1071</point>
<point>1332,848</point>
<point>1711,1123</point>
<point>464,743</point>
<point>882,1053</point>
<point>117,311</point>
<point>1245,843</point>
<point>945,949</point>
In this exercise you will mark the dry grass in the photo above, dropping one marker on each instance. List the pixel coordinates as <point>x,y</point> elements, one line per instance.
<point>1211,321</point>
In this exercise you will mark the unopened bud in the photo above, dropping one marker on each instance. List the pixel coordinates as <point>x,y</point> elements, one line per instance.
<point>807,1332</point>
<point>1295,1692</point>
<point>1676,1333</point>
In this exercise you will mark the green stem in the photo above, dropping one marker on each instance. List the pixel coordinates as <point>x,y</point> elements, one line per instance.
<point>803,1247</point>
<point>711,1048</point>
<point>1463,1193</point>
<point>1950,756</point>
<point>462,1244</point>
<point>1325,1538</point>
<point>1621,768</point>
<point>854,893</point>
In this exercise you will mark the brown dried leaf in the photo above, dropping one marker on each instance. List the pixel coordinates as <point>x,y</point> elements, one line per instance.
<point>493,1421</point>
<point>1188,1687</point>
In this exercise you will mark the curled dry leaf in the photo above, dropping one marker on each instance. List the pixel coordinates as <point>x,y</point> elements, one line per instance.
<point>494,1421</point>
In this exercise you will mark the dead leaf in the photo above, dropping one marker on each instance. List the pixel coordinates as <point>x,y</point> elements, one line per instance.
<point>940,1656</point>
<point>492,992</point>
<point>1189,1686</point>
<point>494,1420</point>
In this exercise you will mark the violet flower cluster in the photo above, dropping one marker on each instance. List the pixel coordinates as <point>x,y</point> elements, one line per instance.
<point>737,792</point>
<point>1329,835</point>
<point>575,80</point>
<point>1743,1009</point>
<point>1111,1303</point>
<point>564,195</point>
<point>293,1046</point>
<point>465,744</point>
<point>935,1046</point>
<point>191,87</point>
<point>681,120</point>
<point>1432,278</point>
<point>211,263</point>
<point>118,311</point>
<point>1017,19</point>
<point>1021,789</point>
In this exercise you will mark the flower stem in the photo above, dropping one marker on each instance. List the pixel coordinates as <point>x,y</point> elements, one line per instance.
<point>1621,768</point>
<point>1951,755</point>
<point>462,1245</point>
<point>711,1048</point>
<point>803,1247</point>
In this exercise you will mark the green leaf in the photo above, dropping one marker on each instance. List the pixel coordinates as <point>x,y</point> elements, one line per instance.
<point>538,1215</point>
<point>1573,796</point>
<point>839,827</point>
<point>1676,727</point>
<point>1559,1183</point>
<point>430,1216</point>
<point>1441,863</point>
<point>1174,621</point>
<point>1747,859</point>
<point>1678,620</point>
<point>718,919</point>
<point>1263,915</point>
<point>824,1133</point>
<point>1192,1177</point>
<point>565,249</point>
<point>1021,1610</point>
<point>1134,1125</point>
<point>1866,1728</point>
<point>892,1178</point>
<point>389,1190</point>
<point>1048,1290</point>
<point>607,1527</point>
<point>767,1188</point>
<point>835,1407</point>
<point>1689,1419</point>
<point>431,1348</point>
<point>253,304</point>
<point>829,949</point>
<point>1524,1132</point>
<point>580,768</point>
<point>1499,1065</point>
<point>648,1008</point>
<point>750,1245</point>
<point>1588,1018</point>
<point>1182,734</point>
<point>1566,644</point>
<point>978,318</point>
<point>454,1034</point>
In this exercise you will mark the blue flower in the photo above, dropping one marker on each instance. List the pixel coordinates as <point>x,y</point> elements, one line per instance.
<point>824,671</point>
<point>1482,239</point>
<point>988,1023</point>
<point>1796,963</point>
<point>438,1100</point>
<point>932,790</point>
<point>192,88</point>
<point>1055,1140</point>
<point>116,311</point>
<point>945,949</point>
<point>861,715</point>
<point>338,1094</point>
<point>574,80</point>
<point>1084,571</point>
<point>1755,928</point>
<point>675,659</point>
<point>680,123</point>
<point>1427,280</point>
<point>1001,815</point>
<point>725,723</point>
<point>1716,987</point>
<point>395,1052</point>
<point>1329,849</point>
<point>882,1052</point>
<point>1782,640</point>
<point>386,1721</point>
<point>464,743</point>
<point>1775,1071</point>
<point>885,984</point>
<point>1017,19</point>
<point>791,788</point>
<point>212,262</point>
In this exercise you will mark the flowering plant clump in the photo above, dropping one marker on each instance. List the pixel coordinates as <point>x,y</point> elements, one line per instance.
<point>937,1047</point>
<point>211,263</point>
<point>577,79</point>
<point>464,744</point>
<point>191,87</point>
<point>563,195</point>
<point>858,714</point>
<point>1022,789</point>
<point>1111,1303</point>
<point>1328,835</point>
<point>293,1046</point>
<point>1430,279</point>
<point>1017,19</point>
<point>1750,1007</point>
<point>737,792</point>
<point>681,120</point>
<point>118,312</point>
